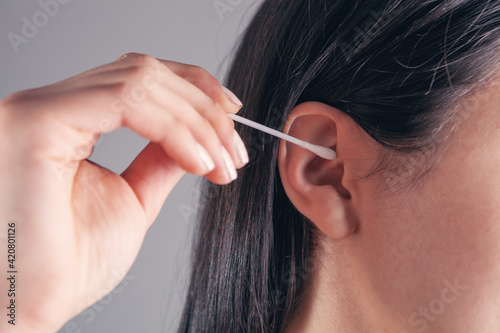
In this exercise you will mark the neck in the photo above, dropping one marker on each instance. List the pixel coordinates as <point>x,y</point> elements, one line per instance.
<point>338,298</point>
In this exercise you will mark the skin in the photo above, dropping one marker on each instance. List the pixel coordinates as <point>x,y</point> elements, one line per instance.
<point>424,258</point>
<point>78,225</point>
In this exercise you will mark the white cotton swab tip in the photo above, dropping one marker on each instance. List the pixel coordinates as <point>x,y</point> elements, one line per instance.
<point>323,152</point>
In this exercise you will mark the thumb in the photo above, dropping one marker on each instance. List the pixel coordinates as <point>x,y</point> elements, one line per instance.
<point>152,176</point>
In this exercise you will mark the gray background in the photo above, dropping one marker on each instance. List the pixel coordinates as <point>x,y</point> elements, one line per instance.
<point>85,34</point>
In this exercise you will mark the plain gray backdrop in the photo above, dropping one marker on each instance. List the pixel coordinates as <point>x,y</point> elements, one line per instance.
<point>77,35</point>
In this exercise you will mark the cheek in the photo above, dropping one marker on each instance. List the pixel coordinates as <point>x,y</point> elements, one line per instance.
<point>447,231</point>
<point>466,211</point>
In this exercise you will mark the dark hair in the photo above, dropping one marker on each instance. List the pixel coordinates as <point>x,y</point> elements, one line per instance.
<point>397,67</point>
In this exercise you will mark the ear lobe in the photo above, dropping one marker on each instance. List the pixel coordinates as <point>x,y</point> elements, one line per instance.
<point>323,190</point>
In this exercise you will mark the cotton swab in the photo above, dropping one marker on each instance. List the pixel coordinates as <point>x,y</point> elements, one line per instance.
<point>323,152</point>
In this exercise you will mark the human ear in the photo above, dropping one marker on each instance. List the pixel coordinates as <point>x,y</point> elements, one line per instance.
<point>327,192</point>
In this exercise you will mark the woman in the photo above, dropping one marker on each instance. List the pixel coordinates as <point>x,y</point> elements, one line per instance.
<point>398,234</point>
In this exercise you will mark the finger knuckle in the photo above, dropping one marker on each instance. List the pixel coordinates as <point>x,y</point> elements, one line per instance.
<point>136,73</point>
<point>199,74</point>
<point>225,127</point>
<point>147,74</point>
<point>149,62</point>
<point>144,61</point>
<point>211,81</point>
<point>212,106</point>
<point>137,84</point>
<point>197,70</point>
<point>211,87</point>
<point>132,56</point>
<point>204,125</point>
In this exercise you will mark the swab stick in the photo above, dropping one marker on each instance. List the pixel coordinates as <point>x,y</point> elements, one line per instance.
<point>323,152</point>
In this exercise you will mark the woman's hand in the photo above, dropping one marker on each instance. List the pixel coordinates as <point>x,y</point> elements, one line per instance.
<point>76,223</point>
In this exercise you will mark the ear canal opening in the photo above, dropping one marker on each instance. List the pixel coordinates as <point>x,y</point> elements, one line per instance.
<point>320,172</point>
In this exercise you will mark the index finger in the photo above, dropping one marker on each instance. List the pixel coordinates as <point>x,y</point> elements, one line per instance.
<point>202,79</point>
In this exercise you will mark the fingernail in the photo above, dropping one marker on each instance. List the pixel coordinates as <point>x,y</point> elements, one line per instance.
<point>231,170</point>
<point>205,158</point>
<point>240,148</point>
<point>232,96</point>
